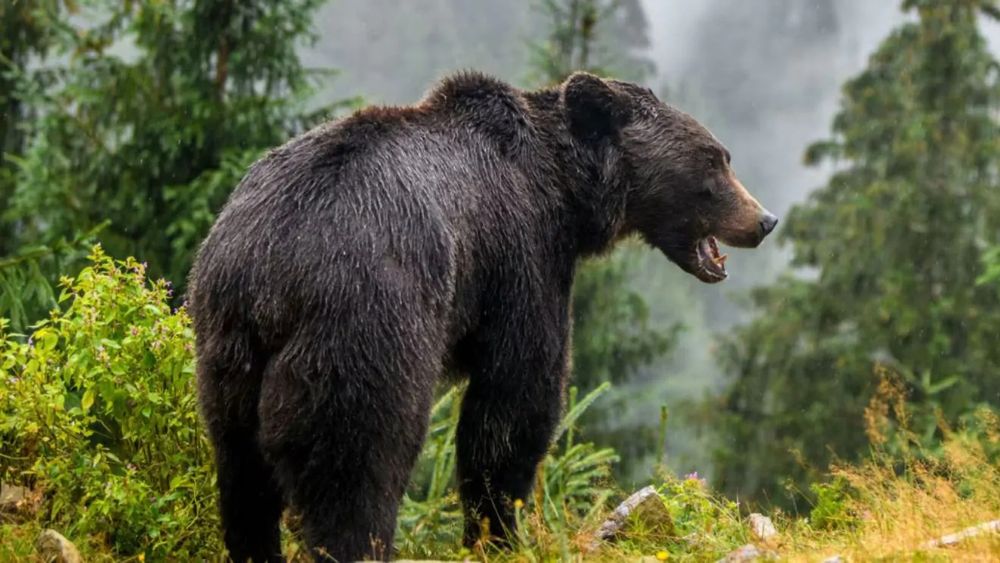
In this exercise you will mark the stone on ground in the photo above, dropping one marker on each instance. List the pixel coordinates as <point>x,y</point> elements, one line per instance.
<point>643,506</point>
<point>762,526</point>
<point>54,548</point>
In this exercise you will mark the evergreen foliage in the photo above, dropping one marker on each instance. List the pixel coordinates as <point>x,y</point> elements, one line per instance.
<point>889,253</point>
<point>144,116</point>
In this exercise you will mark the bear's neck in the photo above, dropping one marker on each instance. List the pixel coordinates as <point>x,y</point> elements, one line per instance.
<point>592,178</point>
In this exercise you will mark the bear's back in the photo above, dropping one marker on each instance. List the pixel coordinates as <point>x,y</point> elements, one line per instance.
<point>389,198</point>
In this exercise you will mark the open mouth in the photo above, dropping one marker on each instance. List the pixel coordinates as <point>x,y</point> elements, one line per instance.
<point>711,266</point>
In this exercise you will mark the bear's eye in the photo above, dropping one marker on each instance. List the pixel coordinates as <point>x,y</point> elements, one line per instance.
<point>704,190</point>
<point>716,160</point>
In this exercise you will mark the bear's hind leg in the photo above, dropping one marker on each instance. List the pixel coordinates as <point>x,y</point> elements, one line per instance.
<point>250,503</point>
<point>343,428</point>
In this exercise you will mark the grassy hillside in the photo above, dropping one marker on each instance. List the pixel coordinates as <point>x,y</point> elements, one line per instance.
<point>870,513</point>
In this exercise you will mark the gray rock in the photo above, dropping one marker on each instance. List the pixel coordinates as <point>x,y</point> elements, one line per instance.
<point>991,527</point>
<point>11,496</point>
<point>645,504</point>
<point>762,526</point>
<point>748,552</point>
<point>54,548</point>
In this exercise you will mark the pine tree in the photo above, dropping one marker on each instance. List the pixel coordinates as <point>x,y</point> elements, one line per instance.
<point>889,252</point>
<point>147,117</point>
<point>600,36</point>
<point>27,33</point>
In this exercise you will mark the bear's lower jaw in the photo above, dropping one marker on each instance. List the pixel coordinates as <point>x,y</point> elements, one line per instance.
<point>710,264</point>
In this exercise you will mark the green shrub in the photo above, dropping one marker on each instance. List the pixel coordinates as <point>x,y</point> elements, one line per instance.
<point>98,410</point>
<point>833,505</point>
<point>704,522</point>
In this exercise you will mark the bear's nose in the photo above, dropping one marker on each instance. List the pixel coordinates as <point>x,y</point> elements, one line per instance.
<point>767,223</point>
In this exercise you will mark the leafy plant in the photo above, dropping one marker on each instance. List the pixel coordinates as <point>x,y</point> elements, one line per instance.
<point>98,411</point>
<point>832,509</point>
<point>569,493</point>
<point>703,520</point>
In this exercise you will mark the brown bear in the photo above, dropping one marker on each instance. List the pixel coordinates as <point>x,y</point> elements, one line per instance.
<point>363,261</point>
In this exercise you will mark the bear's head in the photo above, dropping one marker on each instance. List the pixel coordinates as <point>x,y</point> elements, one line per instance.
<point>681,194</point>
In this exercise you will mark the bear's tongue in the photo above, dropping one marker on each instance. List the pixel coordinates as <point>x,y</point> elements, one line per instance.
<point>710,259</point>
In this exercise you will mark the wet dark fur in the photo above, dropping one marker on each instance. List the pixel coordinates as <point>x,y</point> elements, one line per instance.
<point>358,263</point>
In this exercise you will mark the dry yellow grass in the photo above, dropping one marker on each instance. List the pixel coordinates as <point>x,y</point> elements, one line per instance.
<point>900,503</point>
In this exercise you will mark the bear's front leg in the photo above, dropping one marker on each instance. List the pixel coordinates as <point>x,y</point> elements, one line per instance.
<point>509,414</point>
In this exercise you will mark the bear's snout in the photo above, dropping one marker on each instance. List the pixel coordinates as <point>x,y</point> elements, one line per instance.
<point>747,222</point>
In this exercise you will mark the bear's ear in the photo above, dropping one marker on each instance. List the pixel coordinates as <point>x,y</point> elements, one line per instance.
<point>592,107</point>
